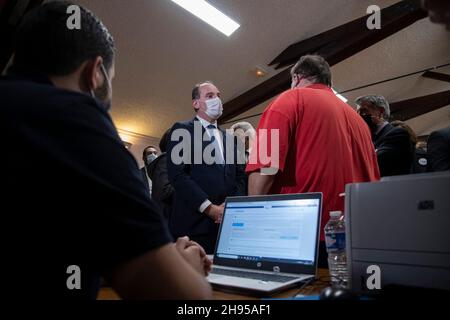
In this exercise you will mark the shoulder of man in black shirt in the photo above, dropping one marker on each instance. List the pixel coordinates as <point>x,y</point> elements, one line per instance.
<point>395,151</point>
<point>75,194</point>
<point>439,150</point>
<point>75,203</point>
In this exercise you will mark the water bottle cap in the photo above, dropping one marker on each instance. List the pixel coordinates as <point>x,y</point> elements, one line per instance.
<point>335,214</point>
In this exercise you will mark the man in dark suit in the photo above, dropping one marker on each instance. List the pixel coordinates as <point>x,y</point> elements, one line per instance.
<point>395,152</point>
<point>149,154</point>
<point>439,150</point>
<point>203,169</point>
<point>162,190</point>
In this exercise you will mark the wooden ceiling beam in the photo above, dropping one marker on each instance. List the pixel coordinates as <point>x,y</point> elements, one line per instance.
<point>437,76</point>
<point>411,108</point>
<point>354,35</point>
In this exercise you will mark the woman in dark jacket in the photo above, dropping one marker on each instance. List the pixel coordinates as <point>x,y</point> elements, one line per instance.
<point>162,190</point>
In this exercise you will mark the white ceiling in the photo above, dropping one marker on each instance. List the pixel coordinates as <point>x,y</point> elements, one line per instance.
<point>164,50</point>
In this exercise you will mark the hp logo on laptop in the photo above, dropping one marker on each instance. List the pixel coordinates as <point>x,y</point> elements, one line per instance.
<point>259,264</point>
<point>276,269</point>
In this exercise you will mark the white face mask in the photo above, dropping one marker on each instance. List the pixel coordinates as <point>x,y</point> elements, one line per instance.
<point>214,108</point>
<point>107,104</point>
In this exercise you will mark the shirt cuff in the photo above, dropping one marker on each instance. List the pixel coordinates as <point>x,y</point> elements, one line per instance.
<point>204,205</point>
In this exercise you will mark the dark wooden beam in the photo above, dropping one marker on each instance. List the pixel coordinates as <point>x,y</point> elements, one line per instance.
<point>11,14</point>
<point>411,108</point>
<point>334,45</point>
<point>437,76</point>
<point>350,37</point>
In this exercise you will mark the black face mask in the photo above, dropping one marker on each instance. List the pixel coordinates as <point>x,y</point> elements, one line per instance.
<point>368,119</point>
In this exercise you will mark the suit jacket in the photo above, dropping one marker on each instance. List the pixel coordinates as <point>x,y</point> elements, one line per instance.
<point>162,190</point>
<point>395,152</point>
<point>439,150</point>
<point>146,181</point>
<point>195,181</point>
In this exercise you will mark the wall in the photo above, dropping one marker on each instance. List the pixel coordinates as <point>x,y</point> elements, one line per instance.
<point>138,143</point>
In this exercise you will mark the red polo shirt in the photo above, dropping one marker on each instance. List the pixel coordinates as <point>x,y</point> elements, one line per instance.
<point>323,145</point>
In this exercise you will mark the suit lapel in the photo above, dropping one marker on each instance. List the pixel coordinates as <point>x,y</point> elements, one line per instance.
<point>382,133</point>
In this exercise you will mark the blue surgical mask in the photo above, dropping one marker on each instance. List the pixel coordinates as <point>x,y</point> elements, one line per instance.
<point>150,158</point>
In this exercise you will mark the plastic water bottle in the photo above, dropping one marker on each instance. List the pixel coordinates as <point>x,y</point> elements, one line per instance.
<point>335,242</point>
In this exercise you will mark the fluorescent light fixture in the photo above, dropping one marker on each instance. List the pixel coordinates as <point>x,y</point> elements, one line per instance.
<point>210,15</point>
<point>340,96</point>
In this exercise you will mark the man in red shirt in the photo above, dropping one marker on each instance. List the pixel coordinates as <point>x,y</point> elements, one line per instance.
<point>323,143</point>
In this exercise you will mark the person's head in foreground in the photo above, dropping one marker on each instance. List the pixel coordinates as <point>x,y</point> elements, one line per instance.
<point>80,60</point>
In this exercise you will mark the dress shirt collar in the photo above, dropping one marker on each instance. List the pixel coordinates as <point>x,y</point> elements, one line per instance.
<point>206,123</point>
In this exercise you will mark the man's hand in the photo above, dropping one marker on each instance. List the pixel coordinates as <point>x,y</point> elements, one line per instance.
<point>207,263</point>
<point>215,212</point>
<point>194,254</point>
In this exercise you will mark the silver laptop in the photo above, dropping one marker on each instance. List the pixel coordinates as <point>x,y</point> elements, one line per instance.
<point>267,243</point>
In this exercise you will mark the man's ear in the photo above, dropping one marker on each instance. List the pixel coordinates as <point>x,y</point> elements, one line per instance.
<point>195,104</point>
<point>91,75</point>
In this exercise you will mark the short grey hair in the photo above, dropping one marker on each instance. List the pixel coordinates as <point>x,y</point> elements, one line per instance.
<point>376,101</point>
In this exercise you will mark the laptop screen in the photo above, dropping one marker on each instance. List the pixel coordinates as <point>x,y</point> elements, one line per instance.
<point>279,229</point>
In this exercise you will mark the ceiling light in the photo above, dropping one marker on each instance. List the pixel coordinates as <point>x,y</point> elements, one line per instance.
<point>340,96</point>
<point>210,15</point>
<point>260,72</point>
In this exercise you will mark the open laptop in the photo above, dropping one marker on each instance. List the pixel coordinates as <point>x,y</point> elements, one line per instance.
<point>267,243</point>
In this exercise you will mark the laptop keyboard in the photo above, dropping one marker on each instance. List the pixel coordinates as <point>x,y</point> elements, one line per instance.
<point>253,275</point>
